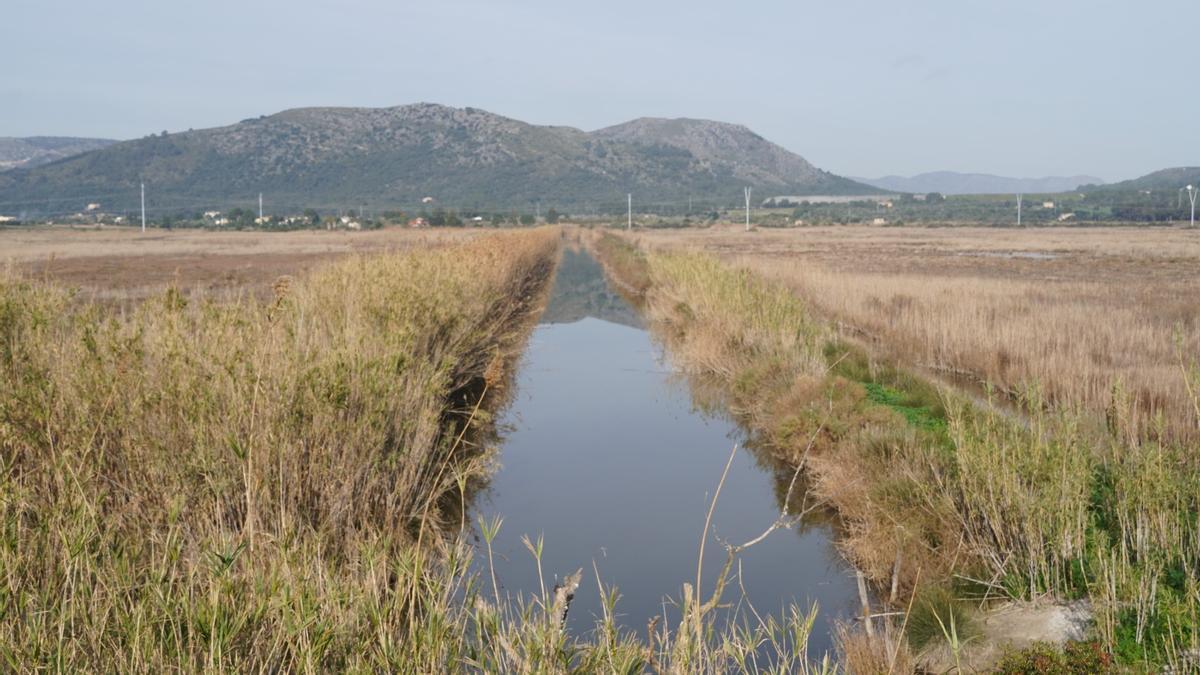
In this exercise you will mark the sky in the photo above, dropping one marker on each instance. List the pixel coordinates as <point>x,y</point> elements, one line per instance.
<point>1020,88</point>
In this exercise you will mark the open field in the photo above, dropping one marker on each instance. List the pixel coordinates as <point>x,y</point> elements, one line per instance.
<point>1072,311</point>
<point>124,264</point>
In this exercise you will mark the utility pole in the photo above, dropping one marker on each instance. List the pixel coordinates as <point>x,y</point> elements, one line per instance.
<point>629,226</point>
<point>1192,194</point>
<point>747,190</point>
<point>143,208</point>
<point>1019,197</point>
<point>260,206</point>
<point>538,211</point>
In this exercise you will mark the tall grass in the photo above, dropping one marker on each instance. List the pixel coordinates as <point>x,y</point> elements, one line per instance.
<point>251,485</point>
<point>933,485</point>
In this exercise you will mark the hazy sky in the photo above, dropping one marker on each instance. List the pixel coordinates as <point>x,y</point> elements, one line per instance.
<point>1025,88</point>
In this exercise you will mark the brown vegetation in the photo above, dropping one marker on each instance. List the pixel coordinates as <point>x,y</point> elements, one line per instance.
<point>1080,314</point>
<point>251,485</point>
<point>938,487</point>
<point>124,265</point>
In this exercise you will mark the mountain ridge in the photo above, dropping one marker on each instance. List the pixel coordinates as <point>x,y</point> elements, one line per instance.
<point>462,157</point>
<point>28,151</point>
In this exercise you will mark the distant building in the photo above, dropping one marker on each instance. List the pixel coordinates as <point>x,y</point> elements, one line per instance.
<point>477,219</point>
<point>418,222</point>
<point>93,206</point>
<point>798,222</point>
<point>211,214</point>
<point>221,221</point>
<point>1047,205</point>
<point>263,220</point>
<point>7,219</point>
<point>879,221</point>
<point>427,200</point>
<point>1066,216</point>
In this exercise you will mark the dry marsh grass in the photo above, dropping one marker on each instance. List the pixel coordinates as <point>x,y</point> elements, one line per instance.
<point>240,484</point>
<point>250,485</point>
<point>938,488</point>
<point>1085,315</point>
<point>124,266</point>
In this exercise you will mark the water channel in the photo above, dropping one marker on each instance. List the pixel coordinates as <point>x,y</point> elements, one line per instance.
<point>607,455</point>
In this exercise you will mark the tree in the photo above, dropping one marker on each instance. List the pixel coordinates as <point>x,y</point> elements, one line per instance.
<point>934,197</point>
<point>312,216</point>
<point>438,219</point>
<point>552,216</point>
<point>528,219</point>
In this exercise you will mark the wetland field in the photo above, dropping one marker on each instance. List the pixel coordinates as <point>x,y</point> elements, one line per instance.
<point>566,449</point>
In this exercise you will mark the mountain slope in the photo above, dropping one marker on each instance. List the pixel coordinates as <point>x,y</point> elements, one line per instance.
<point>954,183</point>
<point>37,150</point>
<point>1165,179</point>
<point>331,157</point>
<point>744,154</point>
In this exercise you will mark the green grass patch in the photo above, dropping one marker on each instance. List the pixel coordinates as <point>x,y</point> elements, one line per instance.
<point>919,416</point>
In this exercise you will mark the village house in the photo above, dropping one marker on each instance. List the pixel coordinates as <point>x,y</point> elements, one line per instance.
<point>879,221</point>
<point>93,206</point>
<point>211,214</point>
<point>1047,205</point>
<point>418,222</point>
<point>1065,217</point>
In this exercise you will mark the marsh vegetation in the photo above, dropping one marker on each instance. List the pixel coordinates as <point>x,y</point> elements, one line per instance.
<point>1074,496</point>
<point>279,473</point>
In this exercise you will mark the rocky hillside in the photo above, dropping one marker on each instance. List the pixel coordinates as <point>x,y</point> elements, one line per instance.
<point>735,149</point>
<point>465,158</point>
<point>37,150</point>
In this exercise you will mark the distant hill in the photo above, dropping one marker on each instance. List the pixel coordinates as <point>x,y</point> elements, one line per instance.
<point>466,158</point>
<point>952,183</point>
<point>37,150</point>
<point>1166,179</point>
<point>746,155</point>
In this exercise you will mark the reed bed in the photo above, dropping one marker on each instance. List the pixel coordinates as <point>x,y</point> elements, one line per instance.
<point>939,490</point>
<point>244,485</point>
<point>248,485</point>
<point>1088,316</point>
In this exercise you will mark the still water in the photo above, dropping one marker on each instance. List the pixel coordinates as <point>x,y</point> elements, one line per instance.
<point>607,457</point>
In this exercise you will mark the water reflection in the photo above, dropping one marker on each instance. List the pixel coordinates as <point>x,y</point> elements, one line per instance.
<point>609,457</point>
<point>580,291</point>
